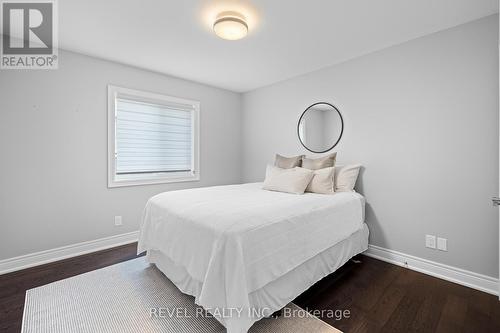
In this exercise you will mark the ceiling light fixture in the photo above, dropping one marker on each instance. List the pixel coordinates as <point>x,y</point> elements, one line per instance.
<point>230,26</point>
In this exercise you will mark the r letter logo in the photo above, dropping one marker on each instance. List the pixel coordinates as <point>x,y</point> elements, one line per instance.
<point>29,35</point>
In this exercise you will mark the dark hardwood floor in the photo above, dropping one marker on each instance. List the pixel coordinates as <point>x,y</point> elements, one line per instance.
<point>378,296</point>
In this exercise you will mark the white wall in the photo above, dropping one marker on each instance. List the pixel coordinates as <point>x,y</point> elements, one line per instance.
<point>53,151</point>
<point>422,117</point>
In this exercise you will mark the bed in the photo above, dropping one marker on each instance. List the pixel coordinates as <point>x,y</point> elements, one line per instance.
<point>244,252</point>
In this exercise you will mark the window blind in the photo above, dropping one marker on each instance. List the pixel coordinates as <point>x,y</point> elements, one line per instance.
<point>152,138</point>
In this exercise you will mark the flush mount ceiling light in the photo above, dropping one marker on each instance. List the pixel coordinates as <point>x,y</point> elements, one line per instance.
<point>230,26</point>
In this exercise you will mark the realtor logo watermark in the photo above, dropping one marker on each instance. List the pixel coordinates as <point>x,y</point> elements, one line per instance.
<point>29,34</point>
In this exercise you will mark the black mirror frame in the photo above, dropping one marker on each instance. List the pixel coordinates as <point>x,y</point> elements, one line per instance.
<point>341,130</point>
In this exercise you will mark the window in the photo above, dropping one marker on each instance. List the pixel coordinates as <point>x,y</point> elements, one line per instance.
<point>151,138</point>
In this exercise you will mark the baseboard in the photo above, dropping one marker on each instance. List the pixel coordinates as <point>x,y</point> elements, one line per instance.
<point>64,252</point>
<point>457,275</point>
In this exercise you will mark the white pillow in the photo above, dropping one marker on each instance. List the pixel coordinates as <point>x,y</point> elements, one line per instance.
<point>323,181</point>
<point>293,180</point>
<point>345,177</point>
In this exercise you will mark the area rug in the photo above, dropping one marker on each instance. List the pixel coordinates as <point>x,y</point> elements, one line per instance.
<point>136,297</point>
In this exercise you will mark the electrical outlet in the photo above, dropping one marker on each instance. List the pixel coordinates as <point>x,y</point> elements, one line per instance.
<point>118,220</point>
<point>442,244</point>
<point>430,241</point>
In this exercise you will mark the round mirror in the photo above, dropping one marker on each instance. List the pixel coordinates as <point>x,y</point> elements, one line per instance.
<point>320,127</point>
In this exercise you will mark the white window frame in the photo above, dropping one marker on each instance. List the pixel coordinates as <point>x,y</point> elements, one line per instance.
<point>115,92</point>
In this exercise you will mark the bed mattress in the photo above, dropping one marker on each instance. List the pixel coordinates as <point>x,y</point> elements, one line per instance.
<point>234,240</point>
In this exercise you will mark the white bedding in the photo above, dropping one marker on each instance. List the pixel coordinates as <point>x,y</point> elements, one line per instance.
<point>236,239</point>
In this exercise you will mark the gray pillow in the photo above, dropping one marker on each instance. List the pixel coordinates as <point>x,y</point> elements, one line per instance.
<point>288,162</point>
<point>319,163</point>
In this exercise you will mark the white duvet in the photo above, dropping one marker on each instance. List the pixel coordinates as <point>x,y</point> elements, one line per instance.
<point>235,239</point>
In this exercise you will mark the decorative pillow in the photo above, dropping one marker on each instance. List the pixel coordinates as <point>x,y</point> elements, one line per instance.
<point>323,181</point>
<point>345,177</point>
<point>287,180</point>
<point>319,163</point>
<point>288,162</point>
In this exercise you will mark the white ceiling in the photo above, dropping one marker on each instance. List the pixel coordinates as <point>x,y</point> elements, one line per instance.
<point>286,38</point>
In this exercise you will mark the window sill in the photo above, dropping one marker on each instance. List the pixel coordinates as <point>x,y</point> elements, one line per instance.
<point>152,180</point>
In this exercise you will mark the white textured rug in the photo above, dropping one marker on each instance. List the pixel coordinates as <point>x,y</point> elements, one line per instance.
<point>125,297</point>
